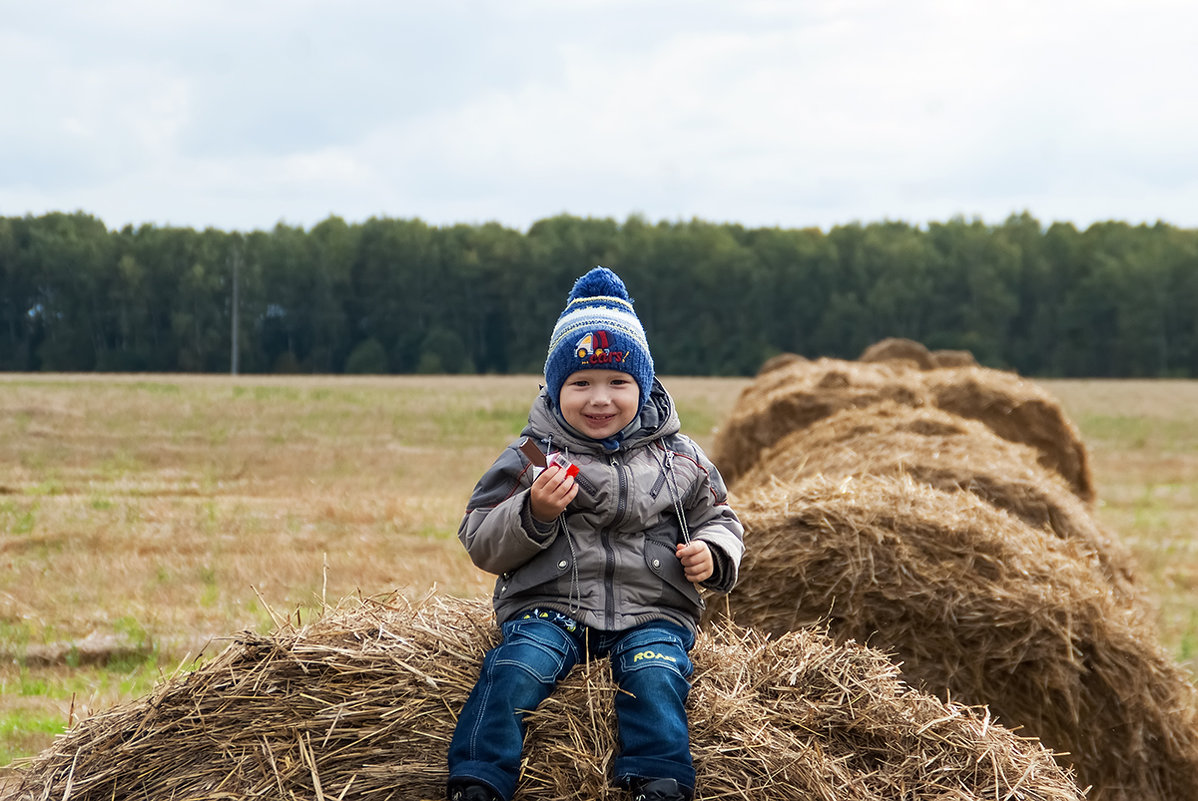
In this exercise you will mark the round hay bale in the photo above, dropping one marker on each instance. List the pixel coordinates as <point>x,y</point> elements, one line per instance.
<point>953,358</point>
<point>794,396</point>
<point>950,453</point>
<point>1020,411</point>
<point>362,705</point>
<point>981,608</point>
<point>778,361</point>
<point>899,349</point>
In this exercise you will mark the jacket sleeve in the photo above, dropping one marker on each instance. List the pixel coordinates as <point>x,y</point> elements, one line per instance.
<point>498,530</point>
<point>712,520</point>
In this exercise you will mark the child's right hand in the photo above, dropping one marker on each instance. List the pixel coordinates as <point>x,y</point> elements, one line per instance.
<point>551,493</point>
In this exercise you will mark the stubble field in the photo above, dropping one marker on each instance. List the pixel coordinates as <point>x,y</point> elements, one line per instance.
<point>143,518</point>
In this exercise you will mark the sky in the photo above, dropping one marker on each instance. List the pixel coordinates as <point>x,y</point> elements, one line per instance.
<point>799,113</point>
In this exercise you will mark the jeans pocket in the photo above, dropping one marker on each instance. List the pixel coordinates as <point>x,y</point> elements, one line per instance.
<point>655,646</point>
<point>537,646</point>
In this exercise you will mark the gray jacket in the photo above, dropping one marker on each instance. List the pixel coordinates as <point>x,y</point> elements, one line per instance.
<point>609,561</point>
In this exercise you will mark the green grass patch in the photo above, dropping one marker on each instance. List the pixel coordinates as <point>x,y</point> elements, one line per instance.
<point>271,393</point>
<point>1139,433</point>
<point>1187,639</point>
<point>210,594</point>
<point>29,726</point>
<point>134,674</point>
<point>466,425</point>
<point>18,519</point>
<point>15,635</point>
<point>25,734</point>
<point>157,388</point>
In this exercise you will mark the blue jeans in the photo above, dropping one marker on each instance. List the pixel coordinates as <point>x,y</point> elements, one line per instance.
<point>649,662</point>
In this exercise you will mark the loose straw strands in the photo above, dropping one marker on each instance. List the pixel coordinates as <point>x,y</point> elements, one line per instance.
<point>362,704</point>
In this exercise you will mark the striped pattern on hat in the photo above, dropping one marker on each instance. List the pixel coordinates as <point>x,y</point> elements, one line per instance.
<point>598,330</point>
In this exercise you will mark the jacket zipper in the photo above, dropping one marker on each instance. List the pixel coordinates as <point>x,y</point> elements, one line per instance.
<point>609,575</point>
<point>658,484</point>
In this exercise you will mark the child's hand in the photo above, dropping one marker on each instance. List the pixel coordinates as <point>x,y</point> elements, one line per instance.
<point>697,561</point>
<point>551,493</point>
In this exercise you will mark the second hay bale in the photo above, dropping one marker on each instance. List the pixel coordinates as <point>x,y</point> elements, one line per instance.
<point>1018,410</point>
<point>951,453</point>
<point>800,394</point>
<point>795,395</point>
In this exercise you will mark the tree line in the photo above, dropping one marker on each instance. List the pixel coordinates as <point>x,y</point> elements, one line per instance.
<point>401,296</point>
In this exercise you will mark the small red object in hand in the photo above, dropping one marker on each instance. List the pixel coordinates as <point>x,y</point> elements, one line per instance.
<point>560,461</point>
<point>530,449</point>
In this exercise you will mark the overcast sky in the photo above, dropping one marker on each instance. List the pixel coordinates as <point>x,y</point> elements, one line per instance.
<point>240,115</point>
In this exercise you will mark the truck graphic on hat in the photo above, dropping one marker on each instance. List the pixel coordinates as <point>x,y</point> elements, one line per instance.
<point>592,344</point>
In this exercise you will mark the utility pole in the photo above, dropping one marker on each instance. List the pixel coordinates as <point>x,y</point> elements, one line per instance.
<point>236,351</point>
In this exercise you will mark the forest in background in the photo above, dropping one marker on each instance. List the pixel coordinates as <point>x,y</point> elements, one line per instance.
<point>402,296</point>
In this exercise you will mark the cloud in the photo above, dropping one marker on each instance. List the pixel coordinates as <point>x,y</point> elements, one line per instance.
<point>768,113</point>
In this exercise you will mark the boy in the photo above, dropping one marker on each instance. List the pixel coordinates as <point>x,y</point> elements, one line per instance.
<point>598,554</point>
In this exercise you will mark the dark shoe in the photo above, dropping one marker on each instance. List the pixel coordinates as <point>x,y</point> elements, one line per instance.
<point>472,792</point>
<point>659,790</point>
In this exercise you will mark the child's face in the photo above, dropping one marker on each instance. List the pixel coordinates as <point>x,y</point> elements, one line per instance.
<point>599,403</point>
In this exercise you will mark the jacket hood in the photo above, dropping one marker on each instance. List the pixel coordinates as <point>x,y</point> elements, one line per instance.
<point>657,419</point>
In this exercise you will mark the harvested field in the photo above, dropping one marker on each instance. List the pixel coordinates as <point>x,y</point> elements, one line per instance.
<point>361,706</point>
<point>980,607</point>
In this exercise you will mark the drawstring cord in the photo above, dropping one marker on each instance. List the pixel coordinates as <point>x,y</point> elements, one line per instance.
<point>667,466</point>
<point>575,595</point>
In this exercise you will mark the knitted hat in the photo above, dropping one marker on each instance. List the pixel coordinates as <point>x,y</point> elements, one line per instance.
<point>598,330</point>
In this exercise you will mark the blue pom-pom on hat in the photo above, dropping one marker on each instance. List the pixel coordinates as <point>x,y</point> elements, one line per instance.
<point>598,330</point>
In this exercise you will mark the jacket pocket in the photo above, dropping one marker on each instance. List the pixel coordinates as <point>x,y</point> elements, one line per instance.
<point>546,569</point>
<point>663,562</point>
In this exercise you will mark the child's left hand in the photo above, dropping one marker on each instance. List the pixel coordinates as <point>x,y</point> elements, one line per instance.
<point>696,559</point>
